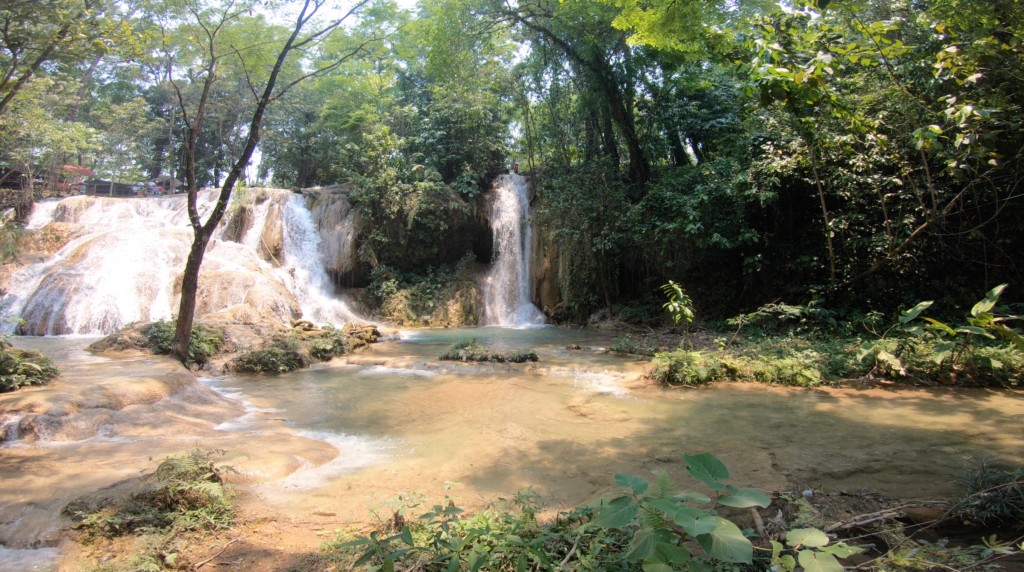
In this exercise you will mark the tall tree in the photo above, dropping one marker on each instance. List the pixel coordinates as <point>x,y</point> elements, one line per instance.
<point>266,84</point>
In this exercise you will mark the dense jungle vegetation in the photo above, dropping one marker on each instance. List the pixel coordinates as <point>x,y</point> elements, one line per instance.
<point>857,154</point>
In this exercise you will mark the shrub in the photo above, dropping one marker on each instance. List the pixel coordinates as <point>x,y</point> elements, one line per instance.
<point>993,495</point>
<point>328,343</point>
<point>21,368</point>
<point>473,350</point>
<point>649,526</point>
<point>204,342</point>
<point>281,356</point>
<point>184,493</point>
<point>684,367</point>
<point>627,345</point>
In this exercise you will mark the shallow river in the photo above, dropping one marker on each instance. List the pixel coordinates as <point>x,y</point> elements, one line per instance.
<point>401,421</point>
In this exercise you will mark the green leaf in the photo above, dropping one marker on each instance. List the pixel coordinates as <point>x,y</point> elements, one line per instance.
<point>695,521</point>
<point>744,498</point>
<point>914,312</point>
<point>407,535</point>
<point>942,351</point>
<point>811,537</point>
<point>617,513</point>
<point>841,550</point>
<point>818,562</point>
<point>939,326</point>
<point>667,506</point>
<point>664,556</point>
<point>641,546</point>
<point>632,482</point>
<point>707,469</point>
<point>727,543</point>
<point>989,301</point>
<point>975,330</point>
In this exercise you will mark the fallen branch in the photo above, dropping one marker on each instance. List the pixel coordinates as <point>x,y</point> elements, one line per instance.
<point>215,556</point>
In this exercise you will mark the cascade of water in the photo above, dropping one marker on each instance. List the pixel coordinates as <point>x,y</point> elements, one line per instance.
<point>303,271</point>
<point>507,285</point>
<point>127,256</point>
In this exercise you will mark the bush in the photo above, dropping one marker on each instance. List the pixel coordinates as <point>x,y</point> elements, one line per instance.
<point>472,350</point>
<point>184,493</point>
<point>21,368</point>
<point>684,367</point>
<point>993,495</point>
<point>281,356</point>
<point>627,345</point>
<point>328,343</point>
<point>204,342</point>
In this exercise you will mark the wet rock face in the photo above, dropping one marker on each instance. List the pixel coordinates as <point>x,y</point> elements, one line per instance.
<point>335,220</point>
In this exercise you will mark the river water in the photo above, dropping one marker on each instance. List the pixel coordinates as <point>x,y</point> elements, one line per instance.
<point>404,421</point>
<point>345,438</point>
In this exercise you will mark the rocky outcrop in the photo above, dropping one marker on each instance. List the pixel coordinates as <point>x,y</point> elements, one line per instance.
<point>335,220</point>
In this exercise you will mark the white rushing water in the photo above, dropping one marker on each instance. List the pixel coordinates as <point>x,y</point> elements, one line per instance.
<point>507,285</point>
<point>125,256</point>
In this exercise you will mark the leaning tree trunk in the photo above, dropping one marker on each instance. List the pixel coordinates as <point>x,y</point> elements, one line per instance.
<point>189,291</point>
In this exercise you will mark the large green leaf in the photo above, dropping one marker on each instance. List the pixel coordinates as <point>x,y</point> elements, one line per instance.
<point>695,521</point>
<point>744,498</point>
<point>939,326</point>
<point>811,537</point>
<point>989,302</point>
<point>632,482</point>
<point>667,506</point>
<point>727,543</point>
<point>707,469</point>
<point>641,546</point>
<point>914,312</point>
<point>818,562</point>
<point>666,555</point>
<point>617,513</point>
<point>975,330</point>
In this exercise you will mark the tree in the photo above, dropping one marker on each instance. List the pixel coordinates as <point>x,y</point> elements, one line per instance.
<point>266,85</point>
<point>34,33</point>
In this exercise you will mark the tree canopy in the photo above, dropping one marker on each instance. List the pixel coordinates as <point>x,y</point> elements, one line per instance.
<point>861,151</point>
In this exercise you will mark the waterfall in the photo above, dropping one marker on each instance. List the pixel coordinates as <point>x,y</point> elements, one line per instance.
<point>507,285</point>
<point>123,259</point>
<point>304,267</point>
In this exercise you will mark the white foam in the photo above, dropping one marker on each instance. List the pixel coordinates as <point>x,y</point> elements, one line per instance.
<point>245,421</point>
<point>354,452</point>
<point>399,371</point>
<point>601,383</point>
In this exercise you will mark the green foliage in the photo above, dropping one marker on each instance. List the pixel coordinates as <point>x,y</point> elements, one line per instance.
<point>992,495</point>
<point>473,350</point>
<point>419,298</point>
<point>328,343</point>
<point>185,493</point>
<point>951,353</point>
<point>647,526</point>
<point>761,363</point>
<point>505,537</point>
<point>679,305</point>
<point>664,521</point>
<point>10,231</point>
<point>627,345</point>
<point>23,368</point>
<point>281,356</point>
<point>810,548</point>
<point>204,341</point>
<point>778,317</point>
